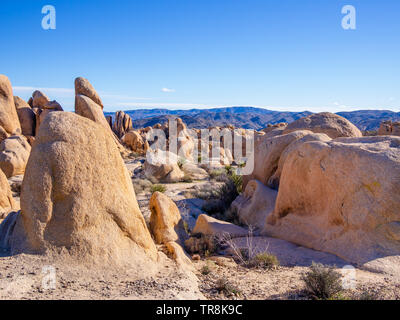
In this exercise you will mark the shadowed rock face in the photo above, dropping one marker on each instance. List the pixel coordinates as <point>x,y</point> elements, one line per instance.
<point>9,122</point>
<point>341,196</point>
<point>6,199</point>
<point>77,195</point>
<point>14,154</point>
<point>27,117</point>
<point>255,204</point>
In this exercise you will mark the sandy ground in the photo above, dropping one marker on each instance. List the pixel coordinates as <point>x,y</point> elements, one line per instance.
<point>31,277</point>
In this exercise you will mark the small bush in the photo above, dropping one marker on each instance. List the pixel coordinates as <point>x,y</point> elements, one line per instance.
<point>214,174</point>
<point>158,187</point>
<point>322,282</point>
<point>201,244</point>
<point>205,270</point>
<point>229,170</point>
<point>207,192</point>
<point>228,193</point>
<point>186,227</point>
<point>224,286</point>
<point>265,260</point>
<point>141,185</point>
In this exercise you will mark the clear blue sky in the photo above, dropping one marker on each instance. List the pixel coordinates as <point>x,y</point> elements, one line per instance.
<point>280,54</point>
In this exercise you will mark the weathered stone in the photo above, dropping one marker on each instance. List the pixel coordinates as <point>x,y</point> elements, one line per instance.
<point>341,196</point>
<point>325,122</point>
<point>77,200</point>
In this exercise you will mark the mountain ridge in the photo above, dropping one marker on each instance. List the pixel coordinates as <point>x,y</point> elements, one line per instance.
<point>249,117</point>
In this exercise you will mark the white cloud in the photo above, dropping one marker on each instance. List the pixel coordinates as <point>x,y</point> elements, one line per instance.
<point>162,105</point>
<point>50,90</point>
<point>167,90</point>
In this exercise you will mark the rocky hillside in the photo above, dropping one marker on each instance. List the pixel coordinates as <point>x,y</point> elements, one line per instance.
<point>250,117</point>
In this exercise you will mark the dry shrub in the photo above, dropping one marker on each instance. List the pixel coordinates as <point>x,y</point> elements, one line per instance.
<point>142,185</point>
<point>322,282</point>
<point>228,289</point>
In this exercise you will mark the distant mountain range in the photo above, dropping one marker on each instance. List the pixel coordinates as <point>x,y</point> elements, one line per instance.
<point>249,117</point>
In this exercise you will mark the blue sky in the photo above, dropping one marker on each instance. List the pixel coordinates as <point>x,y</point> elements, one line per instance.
<point>279,54</point>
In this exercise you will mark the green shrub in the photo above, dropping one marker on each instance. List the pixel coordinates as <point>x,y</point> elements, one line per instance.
<point>241,164</point>
<point>228,170</point>
<point>205,270</point>
<point>265,260</point>
<point>322,282</point>
<point>158,187</point>
<point>186,227</point>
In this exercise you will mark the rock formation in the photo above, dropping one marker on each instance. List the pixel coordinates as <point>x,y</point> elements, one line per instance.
<point>14,154</point>
<point>210,226</point>
<point>341,196</point>
<point>165,219</point>
<point>331,124</point>
<point>86,107</point>
<point>193,171</point>
<point>77,200</point>
<point>26,116</point>
<point>271,127</point>
<point>6,200</point>
<point>273,181</point>
<point>89,105</point>
<point>84,87</point>
<point>162,166</point>
<point>389,128</point>
<point>255,204</point>
<point>9,122</point>
<point>185,141</point>
<point>267,152</point>
<point>42,106</point>
<point>134,141</point>
<point>122,124</point>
